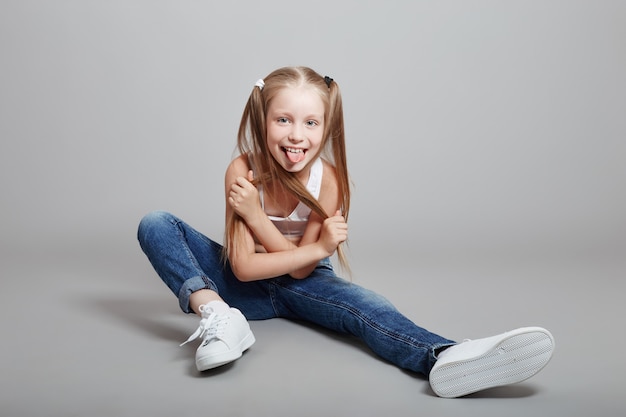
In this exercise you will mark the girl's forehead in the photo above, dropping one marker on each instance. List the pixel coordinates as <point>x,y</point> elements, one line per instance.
<point>302,95</point>
<point>300,89</point>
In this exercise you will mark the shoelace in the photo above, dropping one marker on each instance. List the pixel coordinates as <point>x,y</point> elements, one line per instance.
<point>211,326</point>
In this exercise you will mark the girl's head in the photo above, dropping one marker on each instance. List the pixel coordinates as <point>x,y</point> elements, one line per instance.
<point>294,126</point>
<point>292,117</point>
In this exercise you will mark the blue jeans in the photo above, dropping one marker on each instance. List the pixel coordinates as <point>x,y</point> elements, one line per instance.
<point>188,261</point>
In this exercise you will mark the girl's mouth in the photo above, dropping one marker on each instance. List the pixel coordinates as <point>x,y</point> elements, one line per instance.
<point>294,155</point>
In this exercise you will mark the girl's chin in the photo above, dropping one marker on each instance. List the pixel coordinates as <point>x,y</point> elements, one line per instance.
<point>294,168</point>
<point>299,170</point>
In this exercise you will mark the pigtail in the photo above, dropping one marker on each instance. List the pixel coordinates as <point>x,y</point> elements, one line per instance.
<point>251,143</point>
<point>338,146</point>
<point>336,135</point>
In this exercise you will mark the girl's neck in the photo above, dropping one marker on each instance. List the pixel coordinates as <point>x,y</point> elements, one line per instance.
<point>303,176</point>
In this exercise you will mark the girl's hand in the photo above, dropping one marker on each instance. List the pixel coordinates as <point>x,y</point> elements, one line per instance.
<point>244,197</point>
<point>334,231</point>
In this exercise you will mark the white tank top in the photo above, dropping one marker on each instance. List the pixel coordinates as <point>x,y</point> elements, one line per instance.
<point>293,225</point>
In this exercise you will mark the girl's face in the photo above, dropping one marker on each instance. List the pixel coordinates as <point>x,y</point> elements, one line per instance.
<point>295,127</point>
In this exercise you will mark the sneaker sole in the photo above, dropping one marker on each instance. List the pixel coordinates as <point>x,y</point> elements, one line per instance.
<point>513,359</point>
<point>209,362</point>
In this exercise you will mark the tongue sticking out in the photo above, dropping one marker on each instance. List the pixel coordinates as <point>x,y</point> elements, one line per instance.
<point>295,157</point>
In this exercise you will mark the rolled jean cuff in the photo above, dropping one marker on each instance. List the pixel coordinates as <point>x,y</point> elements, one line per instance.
<point>190,286</point>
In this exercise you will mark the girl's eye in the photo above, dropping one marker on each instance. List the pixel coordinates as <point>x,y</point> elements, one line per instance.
<point>311,123</point>
<point>282,120</point>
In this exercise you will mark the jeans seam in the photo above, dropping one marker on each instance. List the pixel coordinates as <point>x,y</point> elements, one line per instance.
<point>272,296</point>
<point>181,235</point>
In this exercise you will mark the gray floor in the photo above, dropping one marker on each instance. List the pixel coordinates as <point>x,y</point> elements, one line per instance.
<point>92,331</point>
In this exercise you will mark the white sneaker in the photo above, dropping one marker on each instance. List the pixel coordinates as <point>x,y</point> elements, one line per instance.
<point>225,337</point>
<point>475,365</point>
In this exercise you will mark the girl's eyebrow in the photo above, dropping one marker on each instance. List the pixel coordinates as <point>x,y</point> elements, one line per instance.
<point>277,112</point>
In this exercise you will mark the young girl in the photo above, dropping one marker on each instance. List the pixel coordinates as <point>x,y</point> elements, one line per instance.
<point>287,202</point>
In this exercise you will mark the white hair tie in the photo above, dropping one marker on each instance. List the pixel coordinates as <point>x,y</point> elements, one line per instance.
<point>260,83</point>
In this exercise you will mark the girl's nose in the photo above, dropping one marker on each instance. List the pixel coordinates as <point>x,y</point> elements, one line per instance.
<point>296,135</point>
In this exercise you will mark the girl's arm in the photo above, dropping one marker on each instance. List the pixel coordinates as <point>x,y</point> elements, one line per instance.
<point>249,265</point>
<point>243,197</point>
<point>317,226</point>
<point>320,238</point>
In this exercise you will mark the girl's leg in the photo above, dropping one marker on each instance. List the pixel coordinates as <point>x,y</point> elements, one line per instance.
<point>337,304</point>
<point>453,369</point>
<point>190,263</point>
<point>182,257</point>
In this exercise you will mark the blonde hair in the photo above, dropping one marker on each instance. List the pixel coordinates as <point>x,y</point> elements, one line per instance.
<point>251,141</point>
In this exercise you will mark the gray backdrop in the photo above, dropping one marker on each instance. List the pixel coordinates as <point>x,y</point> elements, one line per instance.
<point>485,142</point>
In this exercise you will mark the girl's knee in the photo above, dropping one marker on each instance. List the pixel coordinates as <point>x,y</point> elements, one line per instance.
<point>152,222</point>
